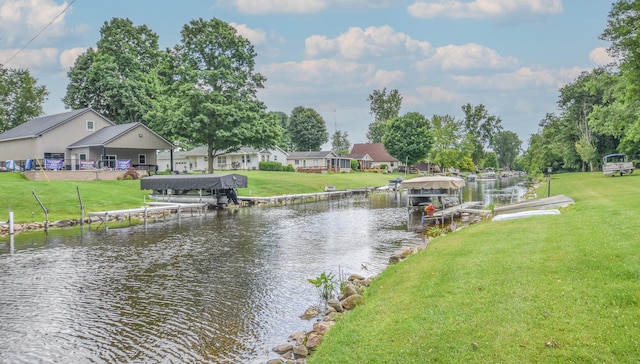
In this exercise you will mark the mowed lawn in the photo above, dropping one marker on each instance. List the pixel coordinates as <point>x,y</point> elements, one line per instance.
<point>62,201</point>
<point>547,289</point>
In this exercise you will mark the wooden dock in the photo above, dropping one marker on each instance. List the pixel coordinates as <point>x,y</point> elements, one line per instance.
<point>163,207</point>
<point>297,198</point>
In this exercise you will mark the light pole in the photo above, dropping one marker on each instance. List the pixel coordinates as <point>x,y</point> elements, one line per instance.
<point>549,170</point>
<point>406,165</point>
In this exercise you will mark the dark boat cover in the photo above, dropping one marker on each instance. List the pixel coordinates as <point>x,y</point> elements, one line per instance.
<point>193,182</point>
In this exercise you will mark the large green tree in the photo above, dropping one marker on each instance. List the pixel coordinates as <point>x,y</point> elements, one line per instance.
<point>209,94</point>
<point>307,129</point>
<point>507,147</point>
<point>384,107</point>
<point>480,127</point>
<point>340,142</point>
<point>449,147</point>
<point>21,97</point>
<point>118,78</point>
<point>409,138</point>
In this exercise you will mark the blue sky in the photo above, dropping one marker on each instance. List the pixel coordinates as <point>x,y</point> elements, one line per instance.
<point>510,55</point>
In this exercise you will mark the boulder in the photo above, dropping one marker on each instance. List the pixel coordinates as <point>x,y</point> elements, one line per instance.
<point>275,361</point>
<point>335,304</point>
<point>313,341</point>
<point>281,349</point>
<point>322,327</point>
<point>297,336</point>
<point>352,301</point>
<point>395,258</point>
<point>310,313</point>
<point>350,290</point>
<point>353,277</point>
<point>300,351</point>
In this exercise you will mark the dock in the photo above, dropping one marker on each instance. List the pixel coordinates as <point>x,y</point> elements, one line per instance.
<point>302,197</point>
<point>448,213</point>
<point>163,207</point>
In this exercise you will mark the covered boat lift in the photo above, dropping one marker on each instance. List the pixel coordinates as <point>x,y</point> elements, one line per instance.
<point>215,189</point>
<point>438,190</point>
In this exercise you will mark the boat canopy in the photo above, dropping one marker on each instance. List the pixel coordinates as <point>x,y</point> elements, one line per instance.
<point>433,182</point>
<point>194,182</point>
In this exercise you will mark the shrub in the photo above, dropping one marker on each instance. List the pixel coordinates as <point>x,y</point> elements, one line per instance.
<point>383,166</point>
<point>270,166</point>
<point>130,174</point>
<point>354,164</point>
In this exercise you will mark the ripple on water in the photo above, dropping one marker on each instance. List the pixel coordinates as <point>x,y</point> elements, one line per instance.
<point>225,288</point>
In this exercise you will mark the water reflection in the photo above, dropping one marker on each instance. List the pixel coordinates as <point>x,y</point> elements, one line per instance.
<point>222,288</point>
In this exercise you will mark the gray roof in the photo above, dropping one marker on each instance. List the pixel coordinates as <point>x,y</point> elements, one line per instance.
<point>320,154</point>
<point>43,124</point>
<point>104,135</point>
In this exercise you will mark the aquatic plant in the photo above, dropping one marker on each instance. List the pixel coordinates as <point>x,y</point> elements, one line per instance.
<point>326,284</point>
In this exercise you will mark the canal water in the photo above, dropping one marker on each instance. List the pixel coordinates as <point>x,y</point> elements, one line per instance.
<point>221,288</point>
<point>225,288</point>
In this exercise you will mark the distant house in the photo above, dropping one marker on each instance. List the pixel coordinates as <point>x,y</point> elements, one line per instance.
<point>378,154</point>
<point>80,139</point>
<point>319,162</point>
<point>195,160</point>
<point>364,160</point>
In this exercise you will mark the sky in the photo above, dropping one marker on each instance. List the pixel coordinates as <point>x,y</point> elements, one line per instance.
<point>512,56</point>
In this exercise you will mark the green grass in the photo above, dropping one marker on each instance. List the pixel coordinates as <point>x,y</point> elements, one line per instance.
<point>61,197</point>
<point>544,289</point>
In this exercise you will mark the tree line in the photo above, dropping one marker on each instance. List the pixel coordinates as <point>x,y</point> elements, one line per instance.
<point>203,91</point>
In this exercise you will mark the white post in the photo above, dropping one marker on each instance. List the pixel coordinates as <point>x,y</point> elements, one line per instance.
<point>11,223</point>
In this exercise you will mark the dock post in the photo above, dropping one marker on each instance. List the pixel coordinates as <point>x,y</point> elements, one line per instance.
<point>106,221</point>
<point>11,231</point>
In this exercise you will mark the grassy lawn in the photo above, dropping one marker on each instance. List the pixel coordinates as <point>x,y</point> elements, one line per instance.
<point>544,289</point>
<point>61,197</point>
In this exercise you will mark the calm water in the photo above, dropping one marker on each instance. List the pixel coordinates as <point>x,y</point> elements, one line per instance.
<point>223,288</point>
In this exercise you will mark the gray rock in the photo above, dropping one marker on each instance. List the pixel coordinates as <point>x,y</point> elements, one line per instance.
<point>275,361</point>
<point>321,328</point>
<point>352,301</point>
<point>355,276</point>
<point>314,341</point>
<point>335,304</point>
<point>300,351</point>
<point>281,349</point>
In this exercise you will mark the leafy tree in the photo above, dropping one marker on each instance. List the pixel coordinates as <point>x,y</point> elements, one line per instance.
<point>409,137</point>
<point>307,129</point>
<point>480,129</point>
<point>21,98</point>
<point>383,107</point>
<point>340,142</point>
<point>283,120</point>
<point>449,149</point>
<point>491,160</point>
<point>118,78</point>
<point>210,89</point>
<point>624,34</point>
<point>507,147</point>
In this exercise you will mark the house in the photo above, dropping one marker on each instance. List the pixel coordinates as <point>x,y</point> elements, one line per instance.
<point>80,139</point>
<point>244,158</point>
<point>378,154</point>
<point>364,160</point>
<point>319,162</point>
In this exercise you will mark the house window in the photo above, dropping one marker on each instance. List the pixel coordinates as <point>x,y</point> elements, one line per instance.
<point>142,159</point>
<point>275,157</point>
<point>90,125</point>
<point>222,160</point>
<point>315,162</point>
<point>109,161</point>
<point>53,155</point>
<point>83,156</point>
<point>297,162</point>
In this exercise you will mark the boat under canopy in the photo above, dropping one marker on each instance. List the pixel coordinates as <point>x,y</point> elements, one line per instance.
<point>216,189</point>
<point>441,191</point>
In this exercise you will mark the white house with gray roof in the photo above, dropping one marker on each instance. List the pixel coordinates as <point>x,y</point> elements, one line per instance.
<point>81,139</point>
<point>195,160</point>
<point>319,162</point>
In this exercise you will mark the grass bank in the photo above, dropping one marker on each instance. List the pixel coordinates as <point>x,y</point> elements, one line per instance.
<point>61,197</point>
<point>544,289</point>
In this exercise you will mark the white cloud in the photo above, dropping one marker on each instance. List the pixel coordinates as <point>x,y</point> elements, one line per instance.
<point>318,72</point>
<point>357,43</point>
<point>302,6</point>
<point>30,58</point>
<point>255,36</point>
<point>468,56</point>
<point>20,20</point>
<point>68,56</point>
<point>387,78</point>
<point>478,9</point>
<point>278,6</point>
<point>600,57</point>
<point>522,78</point>
<point>436,94</point>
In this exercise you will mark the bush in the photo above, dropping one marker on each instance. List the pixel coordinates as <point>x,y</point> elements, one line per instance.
<point>270,166</point>
<point>354,164</point>
<point>383,166</point>
<point>130,174</point>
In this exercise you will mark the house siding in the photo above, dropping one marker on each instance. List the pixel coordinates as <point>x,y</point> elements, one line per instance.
<point>75,129</point>
<point>19,149</point>
<point>140,137</point>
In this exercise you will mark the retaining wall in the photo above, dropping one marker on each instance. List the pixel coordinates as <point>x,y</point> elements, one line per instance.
<point>73,175</point>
